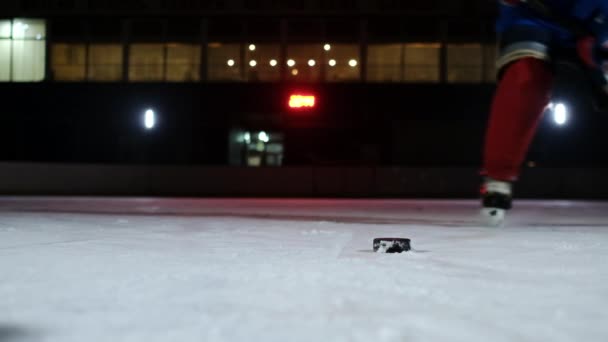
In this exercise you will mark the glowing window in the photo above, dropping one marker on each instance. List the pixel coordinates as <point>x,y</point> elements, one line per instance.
<point>464,63</point>
<point>347,63</point>
<point>421,62</point>
<point>298,56</point>
<point>183,62</point>
<point>22,50</point>
<point>68,62</point>
<point>105,62</point>
<point>385,63</point>
<point>146,62</point>
<point>224,62</point>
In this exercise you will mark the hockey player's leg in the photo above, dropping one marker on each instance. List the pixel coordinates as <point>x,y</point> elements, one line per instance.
<point>521,98</point>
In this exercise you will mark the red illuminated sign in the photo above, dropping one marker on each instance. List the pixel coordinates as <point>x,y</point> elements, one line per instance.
<point>298,101</point>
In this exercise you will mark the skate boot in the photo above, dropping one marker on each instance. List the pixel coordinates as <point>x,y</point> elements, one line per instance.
<point>496,200</point>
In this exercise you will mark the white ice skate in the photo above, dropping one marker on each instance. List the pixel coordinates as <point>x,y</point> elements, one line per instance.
<point>496,200</point>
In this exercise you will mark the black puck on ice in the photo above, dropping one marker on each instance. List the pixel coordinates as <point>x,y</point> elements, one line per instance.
<point>391,245</point>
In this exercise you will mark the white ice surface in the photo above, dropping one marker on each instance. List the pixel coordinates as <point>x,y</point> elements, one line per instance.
<point>93,269</point>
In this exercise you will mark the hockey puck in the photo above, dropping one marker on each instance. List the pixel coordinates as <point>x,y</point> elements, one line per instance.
<point>391,245</point>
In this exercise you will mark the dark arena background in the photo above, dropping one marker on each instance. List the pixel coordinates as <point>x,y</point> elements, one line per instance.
<point>401,89</point>
<point>218,171</point>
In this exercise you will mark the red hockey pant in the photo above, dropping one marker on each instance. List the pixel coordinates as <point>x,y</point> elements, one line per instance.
<point>521,98</point>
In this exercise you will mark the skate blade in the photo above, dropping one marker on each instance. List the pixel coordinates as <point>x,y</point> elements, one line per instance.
<point>493,217</point>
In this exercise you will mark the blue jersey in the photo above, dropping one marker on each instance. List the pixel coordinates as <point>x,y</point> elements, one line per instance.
<point>585,12</point>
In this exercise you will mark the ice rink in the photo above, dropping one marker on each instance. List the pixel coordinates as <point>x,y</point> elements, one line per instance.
<point>134,269</point>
